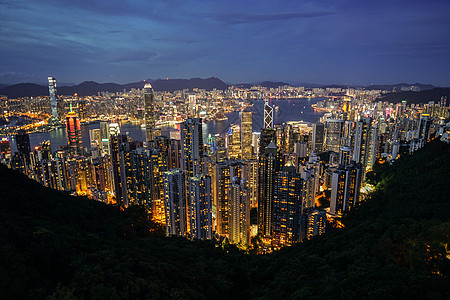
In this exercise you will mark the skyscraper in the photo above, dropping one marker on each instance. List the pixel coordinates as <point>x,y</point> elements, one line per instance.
<point>246,133</point>
<point>73,132</point>
<point>52,92</point>
<point>192,146</point>
<point>174,202</point>
<point>23,144</point>
<point>239,212</point>
<point>333,135</point>
<point>200,208</point>
<point>287,206</point>
<point>234,145</point>
<point>150,118</point>
<point>269,164</point>
<point>268,115</point>
<point>318,135</point>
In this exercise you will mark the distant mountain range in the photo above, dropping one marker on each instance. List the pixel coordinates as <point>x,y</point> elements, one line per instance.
<point>418,97</point>
<point>87,88</point>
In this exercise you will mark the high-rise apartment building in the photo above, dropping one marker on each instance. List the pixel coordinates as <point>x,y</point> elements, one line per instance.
<point>246,133</point>
<point>200,207</point>
<point>287,207</point>
<point>239,212</point>
<point>333,134</point>
<point>192,146</point>
<point>175,202</point>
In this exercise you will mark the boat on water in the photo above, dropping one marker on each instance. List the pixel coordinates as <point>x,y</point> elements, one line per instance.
<point>143,126</point>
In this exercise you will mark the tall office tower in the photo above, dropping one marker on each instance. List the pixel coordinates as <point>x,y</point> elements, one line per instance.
<point>95,139</point>
<point>252,181</point>
<point>5,149</point>
<point>362,140</point>
<point>239,212</point>
<point>268,115</point>
<point>200,207</point>
<point>23,144</point>
<point>150,118</point>
<point>287,207</point>
<point>118,168</point>
<point>345,155</point>
<point>267,135</point>
<point>333,135</point>
<point>338,192</point>
<point>348,133</point>
<point>269,164</point>
<point>246,133</point>
<point>316,223</point>
<point>174,153</point>
<point>424,127</point>
<point>221,150</point>
<point>141,178</point>
<point>191,146</point>
<point>353,176</point>
<point>104,138</point>
<point>318,136</point>
<point>234,146</point>
<point>52,92</point>
<point>221,186</point>
<point>174,202</point>
<point>255,143</point>
<point>73,132</point>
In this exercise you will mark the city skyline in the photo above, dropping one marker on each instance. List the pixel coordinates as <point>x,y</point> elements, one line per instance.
<point>314,42</point>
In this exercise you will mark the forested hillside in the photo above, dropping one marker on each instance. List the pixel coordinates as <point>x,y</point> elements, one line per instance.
<point>393,246</point>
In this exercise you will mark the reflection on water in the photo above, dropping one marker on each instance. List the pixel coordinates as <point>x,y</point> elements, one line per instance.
<point>288,110</point>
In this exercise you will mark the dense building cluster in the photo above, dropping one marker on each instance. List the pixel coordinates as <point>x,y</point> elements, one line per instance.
<point>290,176</point>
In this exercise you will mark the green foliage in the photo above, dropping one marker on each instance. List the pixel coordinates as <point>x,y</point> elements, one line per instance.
<point>395,245</point>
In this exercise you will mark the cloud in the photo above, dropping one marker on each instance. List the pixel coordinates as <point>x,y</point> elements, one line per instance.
<point>241,18</point>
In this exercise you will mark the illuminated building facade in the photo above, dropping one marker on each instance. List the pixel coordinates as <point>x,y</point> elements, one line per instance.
<point>333,135</point>
<point>239,212</point>
<point>287,207</point>
<point>192,146</point>
<point>200,207</point>
<point>175,202</point>
<point>246,134</point>
<point>73,129</point>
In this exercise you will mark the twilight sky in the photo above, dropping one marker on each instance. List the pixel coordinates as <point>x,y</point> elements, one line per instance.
<point>318,41</point>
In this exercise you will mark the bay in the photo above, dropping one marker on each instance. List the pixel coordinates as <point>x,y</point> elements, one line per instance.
<point>288,110</point>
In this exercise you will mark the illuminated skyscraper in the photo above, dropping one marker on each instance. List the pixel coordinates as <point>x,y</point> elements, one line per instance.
<point>333,135</point>
<point>268,115</point>
<point>175,202</point>
<point>192,146</point>
<point>318,135</point>
<point>287,207</point>
<point>200,209</point>
<point>52,92</point>
<point>150,118</point>
<point>269,165</point>
<point>234,145</point>
<point>246,133</point>
<point>239,212</point>
<point>73,129</point>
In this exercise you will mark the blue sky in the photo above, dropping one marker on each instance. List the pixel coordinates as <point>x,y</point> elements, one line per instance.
<point>344,42</point>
